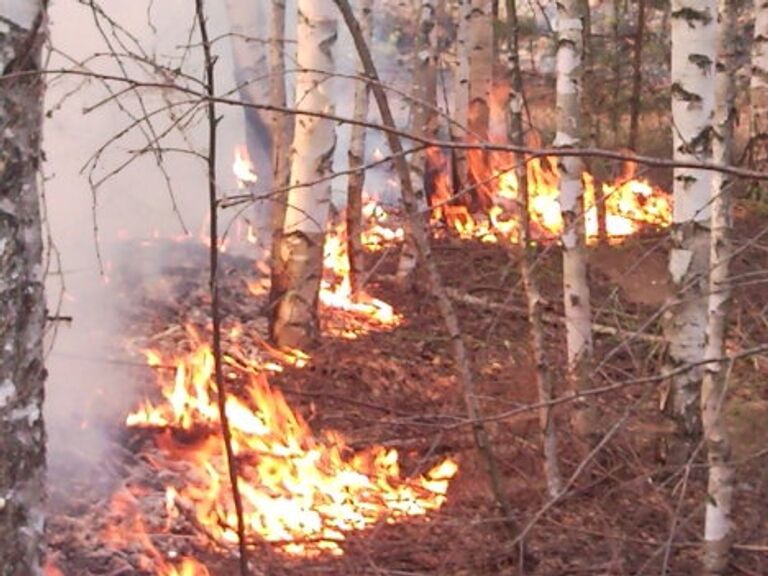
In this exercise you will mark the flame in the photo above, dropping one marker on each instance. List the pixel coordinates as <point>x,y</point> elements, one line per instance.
<point>631,203</point>
<point>301,492</point>
<point>243,168</point>
<point>125,528</point>
<point>336,288</point>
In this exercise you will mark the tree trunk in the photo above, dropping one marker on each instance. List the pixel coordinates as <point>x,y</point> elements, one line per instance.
<point>758,88</point>
<point>356,158</point>
<point>481,59</point>
<point>530,282</point>
<point>575,282</point>
<point>461,94</point>
<point>718,529</point>
<point>637,77</point>
<point>693,55</point>
<point>422,120</point>
<point>22,304</point>
<point>248,21</point>
<point>421,241</point>
<point>300,265</point>
<point>282,135</point>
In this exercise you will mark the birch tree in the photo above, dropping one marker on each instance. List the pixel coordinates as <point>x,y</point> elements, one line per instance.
<point>530,282</point>
<point>300,265</point>
<point>422,117</point>
<point>356,158</point>
<point>481,60</point>
<point>693,55</point>
<point>578,312</point>
<point>718,529</point>
<point>22,305</point>
<point>282,134</point>
<point>758,87</point>
<point>249,28</point>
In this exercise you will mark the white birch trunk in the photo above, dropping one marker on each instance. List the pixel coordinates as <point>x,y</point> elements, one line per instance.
<point>530,281</point>
<point>718,529</point>
<point>758,87</point>
<point>578,312</point>
<point>356,159</point>
<point>461,90</point>
<point>422,118</point>
<point>481,60</point>
<point>480,65</point>
<point>22,305</point>
<point>249,33</point>
<point>301,250</point>
<point>693,55</point>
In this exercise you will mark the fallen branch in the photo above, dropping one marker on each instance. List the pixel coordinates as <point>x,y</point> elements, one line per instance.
<point>548,317</point>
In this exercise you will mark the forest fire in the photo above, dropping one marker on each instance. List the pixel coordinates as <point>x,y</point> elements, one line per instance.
<point>630,203</point>
<point>301,492</point>
<point>336,289</point>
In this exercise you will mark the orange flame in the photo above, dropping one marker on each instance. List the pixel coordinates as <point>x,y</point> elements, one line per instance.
<point>336,288</point>
<point>301,492</point>
<point>126,529</point>
<point>243,168</point>
<point>631,203</point>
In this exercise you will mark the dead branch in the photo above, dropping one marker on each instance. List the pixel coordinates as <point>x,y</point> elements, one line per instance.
<point>421,240</point>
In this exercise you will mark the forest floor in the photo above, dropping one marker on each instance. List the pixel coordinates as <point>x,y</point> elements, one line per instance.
<point>631,511</point>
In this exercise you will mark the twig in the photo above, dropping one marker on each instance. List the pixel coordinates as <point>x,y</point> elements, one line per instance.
<point>221,397</point>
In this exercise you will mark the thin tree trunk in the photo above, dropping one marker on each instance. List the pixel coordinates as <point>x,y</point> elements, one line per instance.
<point>221,385</point>
<point>282,135</point>
<point>575,281</point>
<point>718,529</point>
<point>758,88</point>
<point>22,303</point>
<point>300,266</point>
<point>248,25</point>
<point>461,95</point>
<point>616,68</point>
<point>637,76</point>
<point>421,238</point>
<point>693,55</point>
<point>530,282</point>
<point>356,158</point>
<point>588,106</point>
<point>422,120</point>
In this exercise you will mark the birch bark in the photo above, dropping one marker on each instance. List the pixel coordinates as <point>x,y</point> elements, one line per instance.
<point>575,281</point>
<point>758,87</point>
<point>249,28</point>
<point>530,282</point>
<point>693,56</point>
<point>300,264</point>
<point>22,305</point>
<point>718,528</point>
<point>422,118</point>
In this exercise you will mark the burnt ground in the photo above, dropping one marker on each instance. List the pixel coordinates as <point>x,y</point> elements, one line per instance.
<point>631,511</point>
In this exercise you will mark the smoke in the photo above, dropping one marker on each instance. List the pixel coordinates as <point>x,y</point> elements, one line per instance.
<point>93,378</point>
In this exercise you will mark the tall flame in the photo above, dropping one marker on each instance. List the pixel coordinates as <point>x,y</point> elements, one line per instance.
<point>302,492</point>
